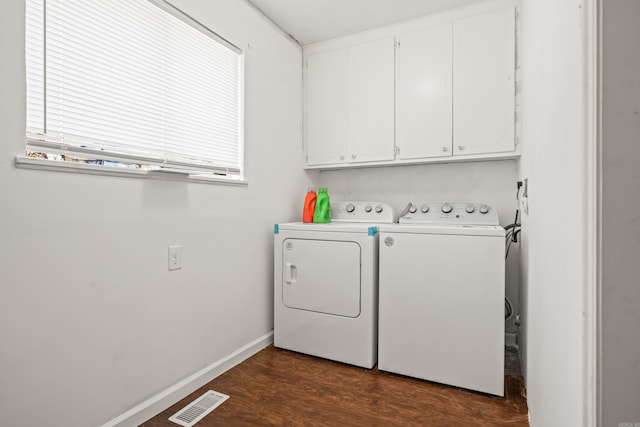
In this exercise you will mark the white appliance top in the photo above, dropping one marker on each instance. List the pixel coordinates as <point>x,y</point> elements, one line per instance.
<point>368,212</point>
<point>451,213</point>
<point>330,227</point>
<point>443,229</point>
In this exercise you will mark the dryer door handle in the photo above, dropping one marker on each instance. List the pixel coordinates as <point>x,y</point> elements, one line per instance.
<point>290,273</point>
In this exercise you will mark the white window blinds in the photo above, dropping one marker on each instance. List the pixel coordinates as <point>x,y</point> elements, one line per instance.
<point>132,81</point>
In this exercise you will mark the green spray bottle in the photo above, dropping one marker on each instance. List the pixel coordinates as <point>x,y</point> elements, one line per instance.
<point>322,212</point>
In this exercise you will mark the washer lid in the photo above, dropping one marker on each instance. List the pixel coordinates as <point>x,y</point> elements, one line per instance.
<point>464,230</point>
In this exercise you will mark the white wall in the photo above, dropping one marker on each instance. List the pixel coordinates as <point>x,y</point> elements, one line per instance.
<point>620,220</point>
<point>553,249</point>
<point>492,182</point>
<point>92,323</point>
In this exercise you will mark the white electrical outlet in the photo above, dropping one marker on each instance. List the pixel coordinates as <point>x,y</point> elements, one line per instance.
<point>175,257</point>
<point>524,196</point>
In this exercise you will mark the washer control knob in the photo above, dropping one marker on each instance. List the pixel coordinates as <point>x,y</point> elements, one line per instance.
<point>412,209</point>
<point>447,208</point>
<point>351,207</point>
<point>424,209</point>
<point>367,208</point>
<point>484,209</point>
<point>378,209</point>
<point>470,209</point>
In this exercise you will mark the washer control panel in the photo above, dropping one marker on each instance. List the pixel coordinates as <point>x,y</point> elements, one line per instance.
<point>455,213</point>
<point>374,212</point>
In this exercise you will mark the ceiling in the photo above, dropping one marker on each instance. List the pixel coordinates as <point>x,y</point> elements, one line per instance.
<point>310,21</point>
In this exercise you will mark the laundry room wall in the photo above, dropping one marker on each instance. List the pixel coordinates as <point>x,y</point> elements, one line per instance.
<point>491,182</point>
<point>92,322</point>
<point>555,228</point>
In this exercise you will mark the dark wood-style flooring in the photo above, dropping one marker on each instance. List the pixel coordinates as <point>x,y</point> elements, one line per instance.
<point>281,388</point>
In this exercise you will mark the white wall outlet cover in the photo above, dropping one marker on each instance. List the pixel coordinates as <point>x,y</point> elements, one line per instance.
<point>175,257</point>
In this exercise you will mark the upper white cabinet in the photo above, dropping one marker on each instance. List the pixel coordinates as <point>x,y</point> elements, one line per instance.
<point>350,104</point>
<point>437,89</point>
<point>483,83</point>
<point>370,106</point>
<point>424,95</point>
<point>326,88</point>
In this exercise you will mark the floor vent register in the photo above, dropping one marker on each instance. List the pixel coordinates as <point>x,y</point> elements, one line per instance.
<point>197,410</point>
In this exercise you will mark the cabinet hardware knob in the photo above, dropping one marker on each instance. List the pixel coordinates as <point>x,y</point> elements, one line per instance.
<point>353,156</point>
<point>445,149</point>
<point>460,147</point>
<point>341,156</point>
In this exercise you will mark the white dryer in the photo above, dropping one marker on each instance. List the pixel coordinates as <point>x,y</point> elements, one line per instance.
<point>326,284</point>
<point>442,296</point>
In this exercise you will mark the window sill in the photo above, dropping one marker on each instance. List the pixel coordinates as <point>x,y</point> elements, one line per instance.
<point>83,168</point>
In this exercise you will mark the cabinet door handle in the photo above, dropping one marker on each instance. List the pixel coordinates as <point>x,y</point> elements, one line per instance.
<point>353,156</point>
<point>445,149</point>
<point>460,147</point>
<point>341,156</point>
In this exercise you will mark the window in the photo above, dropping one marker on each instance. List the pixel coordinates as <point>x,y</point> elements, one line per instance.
<point>135,83</point>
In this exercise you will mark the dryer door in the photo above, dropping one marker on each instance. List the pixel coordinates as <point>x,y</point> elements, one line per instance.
<point>321,276</point>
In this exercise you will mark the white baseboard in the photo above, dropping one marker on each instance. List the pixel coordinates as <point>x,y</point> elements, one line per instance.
<point>171,395</point>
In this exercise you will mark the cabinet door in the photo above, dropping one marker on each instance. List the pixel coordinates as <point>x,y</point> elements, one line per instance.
<point>483,83</point>
<point>326,94</point>
<point>370,101</point>
<point>424,82</point>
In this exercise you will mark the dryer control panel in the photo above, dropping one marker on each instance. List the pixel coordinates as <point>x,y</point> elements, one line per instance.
<point>454,213</point>
<point>373,212</point>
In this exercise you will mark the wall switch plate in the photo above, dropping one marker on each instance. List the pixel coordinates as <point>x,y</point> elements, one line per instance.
<point>175,257</point>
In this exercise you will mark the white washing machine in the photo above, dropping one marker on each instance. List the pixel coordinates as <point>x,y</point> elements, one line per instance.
<point>326,284</point>
<point>441,312</point>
